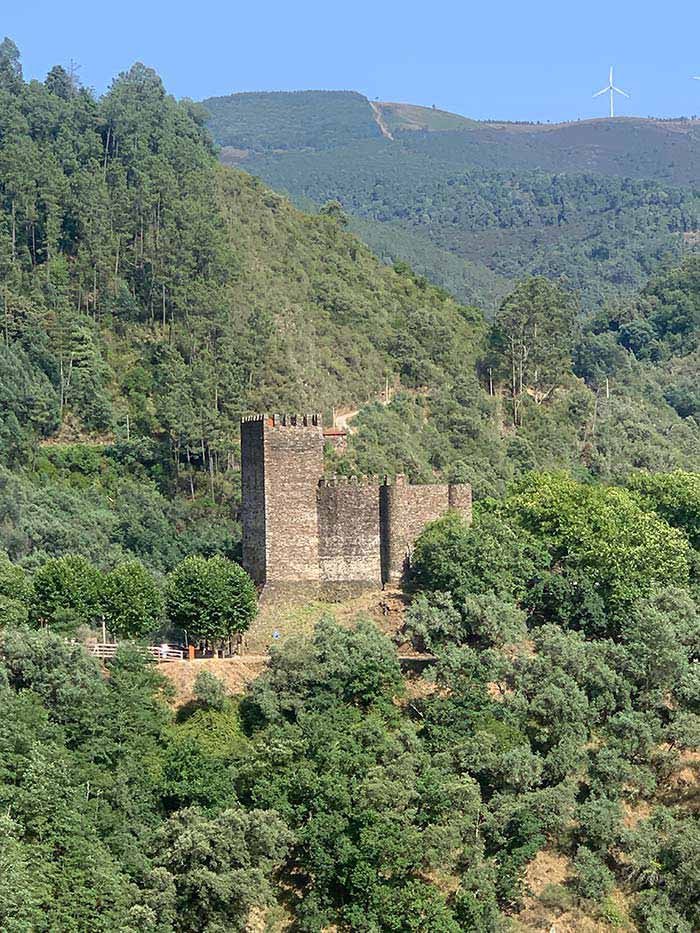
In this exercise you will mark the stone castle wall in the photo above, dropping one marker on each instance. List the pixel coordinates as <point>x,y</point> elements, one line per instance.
<point>348,531</point>
<point>406,510</point>
<point>301,529</point>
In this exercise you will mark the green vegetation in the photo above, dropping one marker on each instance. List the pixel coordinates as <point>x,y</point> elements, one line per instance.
<point>398,117</point>
<point>150,296</point>
<point>604,235</point>
<point>211,600</point>
<point>282,120</point>
<point>601,203</point>
<point>333,794</point>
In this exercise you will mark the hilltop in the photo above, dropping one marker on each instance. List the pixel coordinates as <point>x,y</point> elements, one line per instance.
<point>473,205</point>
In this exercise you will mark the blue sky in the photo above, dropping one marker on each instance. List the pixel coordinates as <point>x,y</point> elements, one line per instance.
<point>492,59</point>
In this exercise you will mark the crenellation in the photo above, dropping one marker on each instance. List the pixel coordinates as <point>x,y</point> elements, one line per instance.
<point>300,527</point>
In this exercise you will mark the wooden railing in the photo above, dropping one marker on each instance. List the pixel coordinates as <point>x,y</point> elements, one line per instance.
<point>157,652</point>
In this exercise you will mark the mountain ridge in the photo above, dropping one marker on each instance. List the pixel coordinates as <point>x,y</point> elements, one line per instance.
<point>601,203</point>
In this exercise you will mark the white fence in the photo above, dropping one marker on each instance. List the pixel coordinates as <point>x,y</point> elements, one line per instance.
<point>158,652</point>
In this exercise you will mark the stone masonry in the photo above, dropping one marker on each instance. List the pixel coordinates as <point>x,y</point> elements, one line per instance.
<point>326,535</point>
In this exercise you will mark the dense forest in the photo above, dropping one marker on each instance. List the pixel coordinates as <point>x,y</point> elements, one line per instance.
<point>150,297</point>
<point>475,206</point>
<point>560,725</point>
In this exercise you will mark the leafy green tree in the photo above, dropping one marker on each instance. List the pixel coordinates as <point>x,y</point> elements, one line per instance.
<point>22,893</point>
<point>59,82</point>
<point>357,667</point>
<point>221,865</point>
<point>593,880</point>
<point>10,65</point>
<point>15,592</point>
<point>602,534</point>
<point>492,555</point>
<point>567,598</point>
<point>674,496</point>
<point>212,599</point>
<point>210,692</point>
<point>131,600</point>
<point>67,593</point>
<point>533,339</point>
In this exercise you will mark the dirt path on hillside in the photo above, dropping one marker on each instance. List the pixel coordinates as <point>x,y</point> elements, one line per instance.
<point>384,129</point>
<point>341,420</point>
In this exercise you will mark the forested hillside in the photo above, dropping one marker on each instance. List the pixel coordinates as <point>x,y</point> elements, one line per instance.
<point>602,203</point>
<point>546,770</point>
<point>150,296</point>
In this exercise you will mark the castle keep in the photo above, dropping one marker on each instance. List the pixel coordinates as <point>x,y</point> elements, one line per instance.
<point>301,528</point>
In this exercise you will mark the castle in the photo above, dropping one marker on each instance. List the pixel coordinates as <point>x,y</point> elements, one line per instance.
<point>335,535</point>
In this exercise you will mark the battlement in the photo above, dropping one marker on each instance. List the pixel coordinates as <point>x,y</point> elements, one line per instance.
<point>275,420</point>
<point>339,479</point>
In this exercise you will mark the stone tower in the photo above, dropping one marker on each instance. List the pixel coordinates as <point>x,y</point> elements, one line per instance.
<point>281,467</point>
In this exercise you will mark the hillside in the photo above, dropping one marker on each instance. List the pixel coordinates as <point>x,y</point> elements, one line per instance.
<point>151,296</point>
<point>602,203</point>
<point>545,772</point>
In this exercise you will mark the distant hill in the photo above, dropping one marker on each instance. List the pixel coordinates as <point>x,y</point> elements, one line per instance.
<point>282,120</point>
<point>473,205</point>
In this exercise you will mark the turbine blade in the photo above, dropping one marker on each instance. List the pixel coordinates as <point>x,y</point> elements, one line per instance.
<point>696,78</point>
<point>604,91</point>
<point>620,91</point>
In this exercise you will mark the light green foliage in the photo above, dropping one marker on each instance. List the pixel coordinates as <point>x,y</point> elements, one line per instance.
<point>211,599</point>
<point>66,593</point>
<point>676,498</point>
<point>131,600</point>
<point>220,865</point>
<point>436,620</point>
<point>603,533</point>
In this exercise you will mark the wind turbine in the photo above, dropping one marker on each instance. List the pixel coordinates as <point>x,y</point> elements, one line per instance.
<point>612,90</point>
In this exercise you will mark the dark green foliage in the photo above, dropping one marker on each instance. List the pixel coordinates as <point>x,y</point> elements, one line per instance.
<point>209,692</point>
<point>290,120</point>
<point>532,341</point>
<point>358,668</point>
<point>593,880</point>
<point>490,556</point>
<point>499,203</point>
